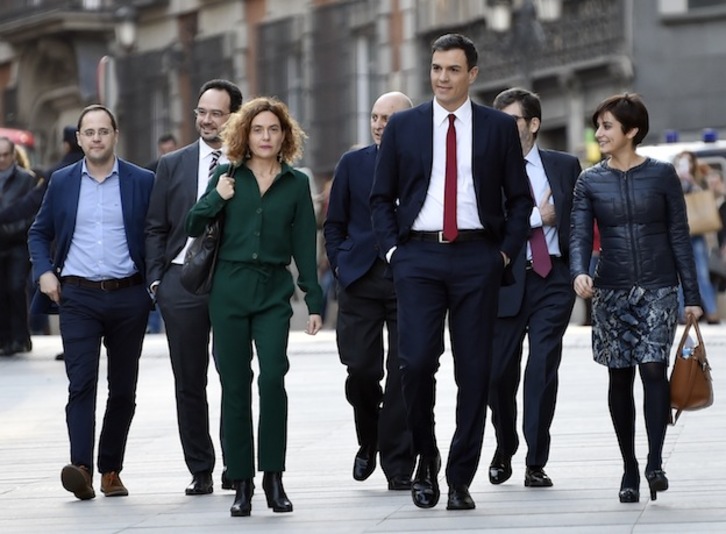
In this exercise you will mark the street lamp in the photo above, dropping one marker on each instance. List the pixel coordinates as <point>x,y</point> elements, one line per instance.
<point>523,18</point>
<point>125,27</point>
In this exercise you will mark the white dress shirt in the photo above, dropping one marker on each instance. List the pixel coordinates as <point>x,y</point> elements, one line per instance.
<point>540,186</point>
<point>431,216</point>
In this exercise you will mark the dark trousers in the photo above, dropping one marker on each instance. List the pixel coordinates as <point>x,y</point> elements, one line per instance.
<point>118,318</point>
<point>14,267</point>
<point>544,316</point>
<point>186,318</point>
<point>251,304</point>
<point>431,280</point>
<point>364,308</point>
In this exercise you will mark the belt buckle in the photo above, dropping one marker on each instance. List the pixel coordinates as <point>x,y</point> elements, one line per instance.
<point>109,285</point>
<point>441,238</point>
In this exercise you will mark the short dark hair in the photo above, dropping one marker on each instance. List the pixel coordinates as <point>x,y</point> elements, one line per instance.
<point>165,138</point>
<point>630,112</point>
<point>97,107</point>
<point>528,101</point>
<point>452,41</point>
<point>234,92</point>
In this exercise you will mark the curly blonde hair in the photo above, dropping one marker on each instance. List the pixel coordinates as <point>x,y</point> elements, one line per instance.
<point>236,131</point>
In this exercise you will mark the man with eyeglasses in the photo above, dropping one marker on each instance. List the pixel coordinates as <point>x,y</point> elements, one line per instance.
<point>87,249</point>
<point>15,184</point>
<point>181,178</point>
<point>538,304</point>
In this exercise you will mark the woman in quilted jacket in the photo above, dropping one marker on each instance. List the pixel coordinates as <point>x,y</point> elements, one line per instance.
<point>645,253</point>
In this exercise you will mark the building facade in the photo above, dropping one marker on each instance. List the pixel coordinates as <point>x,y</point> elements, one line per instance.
<point>329,60</point>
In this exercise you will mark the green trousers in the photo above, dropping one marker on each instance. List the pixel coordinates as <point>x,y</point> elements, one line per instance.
<point>251,304</point>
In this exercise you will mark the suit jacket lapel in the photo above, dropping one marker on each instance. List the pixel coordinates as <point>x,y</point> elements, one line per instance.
<point>190,164</point>
<point>551,169</point>
<point>427,139</point>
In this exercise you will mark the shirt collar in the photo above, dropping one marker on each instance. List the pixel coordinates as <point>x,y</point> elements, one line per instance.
<point>205,150</point>
<point>114,169</point>
<point>532,157</point>
<point>463,112</point>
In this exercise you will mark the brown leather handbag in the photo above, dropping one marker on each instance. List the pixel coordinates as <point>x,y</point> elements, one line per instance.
<point>691,386</point>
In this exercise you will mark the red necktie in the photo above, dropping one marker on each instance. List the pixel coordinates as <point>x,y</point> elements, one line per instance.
<point>450,229</point>
<point>541,261</point>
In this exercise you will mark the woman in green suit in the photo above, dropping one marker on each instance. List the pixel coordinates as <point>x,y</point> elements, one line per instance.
<point>268,219</point>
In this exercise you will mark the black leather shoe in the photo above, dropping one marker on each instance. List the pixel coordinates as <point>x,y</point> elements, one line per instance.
<point>364,463</point>
<point>275,493</point>
<point>460,498</point>
<point>425,487</point>
<point>399,483</point>
<point>657,481</point>
<point>201,484</point>
<point>227,484</point>
<point>242,505</point>
<point>500,470</point>
<point>535,477</point>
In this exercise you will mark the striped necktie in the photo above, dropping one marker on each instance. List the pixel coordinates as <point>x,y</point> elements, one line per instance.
<point>215,161</point>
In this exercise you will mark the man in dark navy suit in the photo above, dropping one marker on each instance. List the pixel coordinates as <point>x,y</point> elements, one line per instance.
<point>93,213</point>
<point>538,304</point>
<point>367,302</point>
<point>450,203</point>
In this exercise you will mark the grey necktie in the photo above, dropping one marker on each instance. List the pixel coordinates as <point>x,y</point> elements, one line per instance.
<point>215,161</point>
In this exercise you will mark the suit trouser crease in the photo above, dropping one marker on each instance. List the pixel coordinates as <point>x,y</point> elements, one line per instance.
<point>186,317</point>
<point>88,316</point>
<point>462,279</point>
<point>252,305</point>
<point>364,308</point>
<point>544,316</point>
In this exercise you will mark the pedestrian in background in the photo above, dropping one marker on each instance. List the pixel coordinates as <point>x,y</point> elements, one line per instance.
<point>645,252</point>
<point>268,220</point>
<point>367,303</point>
<point>15,183</point>
<point>99,292</point>
<point>692,179</point>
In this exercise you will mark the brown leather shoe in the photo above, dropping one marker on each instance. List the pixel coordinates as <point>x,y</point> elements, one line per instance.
<point>112,486</point>
<point>77,479</point>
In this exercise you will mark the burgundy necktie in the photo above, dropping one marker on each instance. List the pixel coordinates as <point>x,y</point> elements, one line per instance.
<point>450,229</point>
<point>541,261</point>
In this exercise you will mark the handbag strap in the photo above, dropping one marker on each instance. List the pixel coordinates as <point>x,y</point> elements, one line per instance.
<point>691,322</point>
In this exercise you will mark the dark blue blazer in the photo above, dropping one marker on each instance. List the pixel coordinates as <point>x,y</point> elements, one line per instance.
<point>562,171</point>
<point>403,174</point>
<point>349,239</point>
<point>56,220</point>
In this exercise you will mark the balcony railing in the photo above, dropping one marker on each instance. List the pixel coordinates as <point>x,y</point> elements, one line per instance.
<point>15,9</point>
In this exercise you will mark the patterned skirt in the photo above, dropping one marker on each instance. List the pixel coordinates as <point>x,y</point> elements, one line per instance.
<point>633,326</point>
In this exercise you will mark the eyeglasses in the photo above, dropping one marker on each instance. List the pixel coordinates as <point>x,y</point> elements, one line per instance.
<point>103,132</point>
<point>214,113</point>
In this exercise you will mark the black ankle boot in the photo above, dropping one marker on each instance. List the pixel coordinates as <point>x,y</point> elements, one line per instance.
<point>275,493</point>
<point>243,498</point>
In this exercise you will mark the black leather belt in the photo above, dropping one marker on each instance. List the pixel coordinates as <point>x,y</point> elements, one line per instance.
<point>438,237</point>
<point>111,284</point>
<point>553,258</point>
